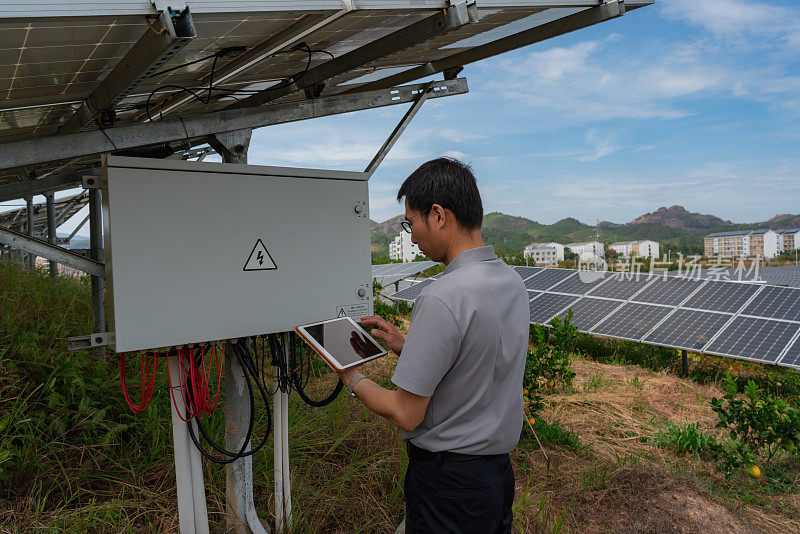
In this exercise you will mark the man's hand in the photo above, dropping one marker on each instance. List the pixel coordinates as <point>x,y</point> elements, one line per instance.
<point>347,375</point>
<point>386,331</point>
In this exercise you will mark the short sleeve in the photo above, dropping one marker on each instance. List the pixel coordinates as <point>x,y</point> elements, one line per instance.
<point>431,347</point>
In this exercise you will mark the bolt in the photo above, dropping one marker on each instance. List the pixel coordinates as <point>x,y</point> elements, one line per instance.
<point>362,292</point>
<point>238,149</point>
<point>98,339</point>
<point>90,181</point>
<point>358,208</point>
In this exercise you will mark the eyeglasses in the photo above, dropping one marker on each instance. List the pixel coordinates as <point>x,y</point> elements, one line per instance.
<point>407,223</point>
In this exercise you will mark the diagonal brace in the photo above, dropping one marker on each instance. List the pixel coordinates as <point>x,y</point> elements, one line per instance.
<point>399,129</point>
<point>51,252</point>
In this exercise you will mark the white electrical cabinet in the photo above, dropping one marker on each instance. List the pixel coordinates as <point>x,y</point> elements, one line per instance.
<point>210,251</point>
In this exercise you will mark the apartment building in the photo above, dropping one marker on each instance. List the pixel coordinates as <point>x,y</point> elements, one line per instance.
<point>401,248</point>
<point>788,239</point>
<point>547,254</point>
<point>588,251</point>
<point>742,244</point>
<point>643,248</point>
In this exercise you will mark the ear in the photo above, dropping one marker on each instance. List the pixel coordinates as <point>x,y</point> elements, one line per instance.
<point>438,216</point>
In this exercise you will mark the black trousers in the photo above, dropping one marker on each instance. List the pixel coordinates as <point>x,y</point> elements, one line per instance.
<point>473,496</point>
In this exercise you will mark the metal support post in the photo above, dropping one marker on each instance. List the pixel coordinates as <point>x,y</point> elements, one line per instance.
<point>96,253</point>
<point>241,516</point>
<point>192,512</point>
<point>685,363</point>
<point>29,230</point>
<point>51,229</point>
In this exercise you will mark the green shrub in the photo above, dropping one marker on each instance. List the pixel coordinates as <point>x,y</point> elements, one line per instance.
<point>761,427</point>
<point>547,366</point>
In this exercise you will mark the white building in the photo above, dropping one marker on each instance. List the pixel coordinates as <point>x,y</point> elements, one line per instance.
<point>742,244</point>
<point>588,251</point>
<point>545,253</point>
<point>401,248</point>
<point>788,239</point>
<point>643,248</point>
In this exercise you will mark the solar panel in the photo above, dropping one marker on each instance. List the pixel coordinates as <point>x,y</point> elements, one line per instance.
<point>526,272</point>
<point>533,294</point>
<point>588,311</point>
<point>688,329</point>
<point>632,321</point>
<point>581,284</point>
<point>753,339</point>
<point>776,303</point>
<point>722,296</point>
<point>547,305</point>
<point>548,278</point>
<point>390,273</point>
<point>792,356</point>
<point>621,286</point>
<point>410,294</point>
<point>670,291</point>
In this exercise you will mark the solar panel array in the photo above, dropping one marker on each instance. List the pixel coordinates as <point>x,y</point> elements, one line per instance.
<point>751,321</point>
<point>389,273</point>
<point>783,275</point>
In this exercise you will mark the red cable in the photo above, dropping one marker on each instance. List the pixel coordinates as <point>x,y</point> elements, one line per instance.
<point>147,385</point>
<point>172,393</point>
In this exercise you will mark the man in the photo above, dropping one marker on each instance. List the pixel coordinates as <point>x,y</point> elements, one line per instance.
<point>459,373</point>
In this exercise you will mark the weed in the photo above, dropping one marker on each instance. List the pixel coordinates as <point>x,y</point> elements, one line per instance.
<point>553,434</point>
<point>686,438</point>
<point>596,479</point>
<point>636,382</point>
<point>598,382</point>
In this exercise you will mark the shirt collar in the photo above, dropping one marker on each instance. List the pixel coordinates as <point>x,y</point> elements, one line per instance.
<point>471,255</point>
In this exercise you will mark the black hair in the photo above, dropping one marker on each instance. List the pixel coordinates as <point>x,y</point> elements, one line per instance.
<point>449,183</point>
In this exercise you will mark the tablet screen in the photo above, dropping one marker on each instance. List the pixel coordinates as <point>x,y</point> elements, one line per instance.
<point>343,340</point>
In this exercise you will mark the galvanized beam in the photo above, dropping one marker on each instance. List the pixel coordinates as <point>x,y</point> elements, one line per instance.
<point>51,228</point>
<point>97,255</point>
<point>54,148</point>
<point>398,130</point>
<point>29,231</point>
<point>149,54</point>
<point>582,19</point>
<point>40,185</point>
<point>38,247</point>
<point>252,57</point>
<point>431,27</point>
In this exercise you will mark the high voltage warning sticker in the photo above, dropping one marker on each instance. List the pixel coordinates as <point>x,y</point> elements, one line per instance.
<point>260,259</point>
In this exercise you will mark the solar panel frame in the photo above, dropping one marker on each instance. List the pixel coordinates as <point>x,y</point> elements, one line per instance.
<point>722,296</point>
<point>678,328</point>
<point>410,294</point>
<point>547,305</point>
<point>547,278</point>
<point>621,286</point>
<point>791,356</point>
<point>739,336</point>
<point>619,324</point>
<point>576,285</point>
<point>586,306</point>
<point>786,306</point>
<point>670,291</point>
<point>526,272</point>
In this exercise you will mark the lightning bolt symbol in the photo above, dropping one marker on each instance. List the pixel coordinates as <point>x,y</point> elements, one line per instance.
<point>260,258</point>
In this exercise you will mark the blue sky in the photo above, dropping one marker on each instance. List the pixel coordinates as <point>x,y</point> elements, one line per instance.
<point>684,102</point>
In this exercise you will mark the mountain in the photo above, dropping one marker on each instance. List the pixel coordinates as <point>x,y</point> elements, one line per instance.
<point>679,217</point>
<point>675,228</point>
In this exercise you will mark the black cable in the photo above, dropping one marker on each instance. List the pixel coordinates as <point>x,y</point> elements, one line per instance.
<point>296,377</point>
<point>284,83</point>
<point>244,358</point>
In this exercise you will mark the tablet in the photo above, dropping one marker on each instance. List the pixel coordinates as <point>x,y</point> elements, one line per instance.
<point>340,342</point>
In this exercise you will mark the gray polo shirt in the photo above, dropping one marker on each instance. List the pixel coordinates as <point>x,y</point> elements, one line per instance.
<point>466,349</point>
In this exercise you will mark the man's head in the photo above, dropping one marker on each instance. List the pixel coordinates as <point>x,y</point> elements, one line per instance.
<point>443,205</point>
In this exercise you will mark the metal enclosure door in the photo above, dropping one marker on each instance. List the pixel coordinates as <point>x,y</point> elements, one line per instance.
<point>185,249</point>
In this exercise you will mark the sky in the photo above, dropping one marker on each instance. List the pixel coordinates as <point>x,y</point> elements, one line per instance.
<point>686,102</point>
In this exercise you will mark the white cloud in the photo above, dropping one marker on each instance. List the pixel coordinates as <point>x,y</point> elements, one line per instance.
<point>455,154</point>
<point>604,145</point>
<point>734,19</point>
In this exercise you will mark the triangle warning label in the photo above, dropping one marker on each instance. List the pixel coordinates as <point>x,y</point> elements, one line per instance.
<point>259,259</point>
<point>342,313</point>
